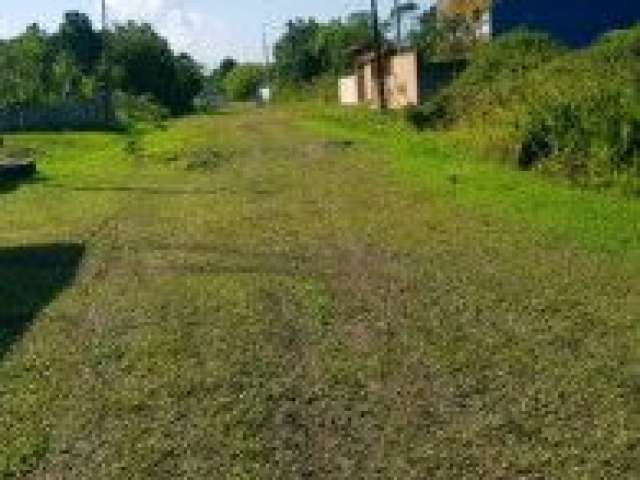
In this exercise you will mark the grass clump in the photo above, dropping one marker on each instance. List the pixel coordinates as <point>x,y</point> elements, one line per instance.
<point>136,111</point>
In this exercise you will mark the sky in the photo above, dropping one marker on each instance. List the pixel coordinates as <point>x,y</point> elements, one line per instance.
<point>207,29</point>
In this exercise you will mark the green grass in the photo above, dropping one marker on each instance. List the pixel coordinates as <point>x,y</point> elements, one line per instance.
<point>248,296</point>
<point>449,166</point>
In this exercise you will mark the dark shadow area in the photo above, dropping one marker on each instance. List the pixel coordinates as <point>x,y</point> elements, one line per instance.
<point>31,277</point>
<point>8,186</point>
<point>137,189</point>
<point>16,167</point>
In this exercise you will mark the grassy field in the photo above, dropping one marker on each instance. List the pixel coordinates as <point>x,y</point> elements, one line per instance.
<point>307,294</point>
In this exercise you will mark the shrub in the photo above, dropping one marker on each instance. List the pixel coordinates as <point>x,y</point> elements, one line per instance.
<point>323,89</point>
<point>494,78</point>
<point>575,113</point>
<point>429,115</point>
<point>242,83</point>
<point>582,114</point>
<point>574,131</point>
<point>134,110</point>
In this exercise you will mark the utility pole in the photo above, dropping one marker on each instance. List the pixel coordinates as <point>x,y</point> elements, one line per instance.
<point>104,16</point>
<point>106,87</point>
<point>265,45</point>
<point>267,56</point>
<point>379,56</point>
<point>396,8</point>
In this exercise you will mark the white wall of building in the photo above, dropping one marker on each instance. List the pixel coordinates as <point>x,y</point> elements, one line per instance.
<point>349,90</point>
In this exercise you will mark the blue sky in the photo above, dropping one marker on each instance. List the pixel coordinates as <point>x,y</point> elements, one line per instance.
<point>208,29</point>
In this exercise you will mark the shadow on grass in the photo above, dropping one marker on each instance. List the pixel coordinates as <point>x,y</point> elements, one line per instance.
<point>31,277</point>
<point>137,189</point>
<point>8,186</point>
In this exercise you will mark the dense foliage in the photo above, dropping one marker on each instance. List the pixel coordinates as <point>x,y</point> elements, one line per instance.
<point>444,37</point>
<point>494,76</point>
<point>41,68</point>
<point>214,82</point>
<point>242,82</point>
<point>570,113</point>
<point>309,50</point>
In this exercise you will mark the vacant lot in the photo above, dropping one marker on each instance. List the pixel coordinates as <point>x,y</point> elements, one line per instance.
<point>269,294</point>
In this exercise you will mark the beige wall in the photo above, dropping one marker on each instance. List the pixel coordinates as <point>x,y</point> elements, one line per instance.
<point>349,90</point>
<point>369,86</point>
<point>402,81</point>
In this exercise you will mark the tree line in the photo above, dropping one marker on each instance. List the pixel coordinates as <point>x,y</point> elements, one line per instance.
<point>77,61</point>
<point>310,50</point>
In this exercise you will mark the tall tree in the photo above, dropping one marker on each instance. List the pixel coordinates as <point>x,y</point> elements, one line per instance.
<point>23,68</point>
<point>310,49</point>
<point>214,83</point>
<point>296,53</point>
<point>187,82</point>
<point>243,81</point>
<point>77,37</point>
<point>448,36</point>
<point>38,68</point>
<point>145,64</point>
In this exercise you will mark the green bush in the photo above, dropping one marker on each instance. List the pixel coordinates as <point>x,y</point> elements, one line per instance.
<point>323,89</point>
<point>570,113</point>
<point>493,80</point>
<point>242,83</point>
<point>581,115</point>
<point>132,111</point>
<point>584,135</point>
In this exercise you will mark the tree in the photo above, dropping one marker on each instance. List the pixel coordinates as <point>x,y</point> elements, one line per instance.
<point>66,76</point>
<point>310,49</point>
<point>466,8</point>
<point>145,64</point>
<point>337,42</point>
<point>77,38</point>
<point>448,36</point>
<point>186,83</point>
<point>23,68</point>
<point>214,83</point>
<point>243,81</point>
<point>37,68</point>
<point>226,66</point>
<point>296,52</point>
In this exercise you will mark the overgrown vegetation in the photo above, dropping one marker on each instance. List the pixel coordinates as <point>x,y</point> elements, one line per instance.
<point>309,57</point>
<point>571,113</point>
<point>309,50</point>
<point>38,68</point>
<point>242,82</point>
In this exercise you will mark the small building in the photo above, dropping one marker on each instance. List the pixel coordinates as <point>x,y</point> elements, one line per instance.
<point>349,90</point>
<point>264,94</point>
<point>408,79</point>
<point>576,23</point>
